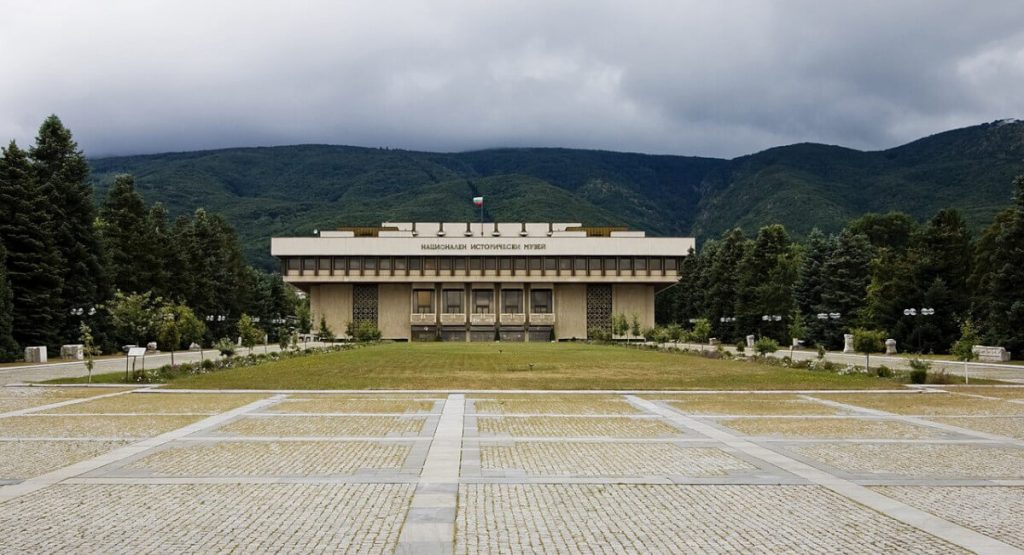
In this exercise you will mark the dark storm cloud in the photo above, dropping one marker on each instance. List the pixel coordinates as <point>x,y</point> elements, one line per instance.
<point>711,78</point>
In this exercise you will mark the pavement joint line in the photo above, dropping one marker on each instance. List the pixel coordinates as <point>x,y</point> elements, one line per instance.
<point>919,421</point>
<point>256,439</point>
<point>927,522</point>
<point>207,480</point>
<point>59,404</point>
<point>353,414</point>
<point>429,525</point>
<point>43,481</point>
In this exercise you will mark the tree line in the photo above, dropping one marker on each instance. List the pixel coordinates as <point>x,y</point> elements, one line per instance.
<point>923,284</point>
<point>64,261</point>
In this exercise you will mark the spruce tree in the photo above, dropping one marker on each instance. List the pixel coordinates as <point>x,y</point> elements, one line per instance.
<point>62,172</point>
<point>1000,275</point>
<point>133,239</point>
<point>723,280</point>
<point>33,261</point>
<point>810,284</point>
<point>8,347</point>
<point>847,275</point>
<point>766,277</point>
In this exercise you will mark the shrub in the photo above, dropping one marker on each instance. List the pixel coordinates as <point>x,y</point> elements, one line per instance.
<point>225,346</point>
<point>884,371</point>
<point>741,346</point>
<point>766,346</point>
<point>821,352</point>
<point>363,331</point>
<point>919,371</point>
<point>208,364</point>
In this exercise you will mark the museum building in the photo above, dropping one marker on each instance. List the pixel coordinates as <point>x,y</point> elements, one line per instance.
<point>481,281</point>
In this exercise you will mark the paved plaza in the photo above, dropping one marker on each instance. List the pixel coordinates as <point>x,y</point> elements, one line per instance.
<point>146,470</point>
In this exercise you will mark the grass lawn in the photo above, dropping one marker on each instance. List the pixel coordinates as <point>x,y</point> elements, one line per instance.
<point>508,366</point>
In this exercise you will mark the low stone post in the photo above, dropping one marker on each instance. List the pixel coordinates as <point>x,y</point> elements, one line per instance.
<point>848,343</point>
<point>890,347</point>
<point>750,341</point>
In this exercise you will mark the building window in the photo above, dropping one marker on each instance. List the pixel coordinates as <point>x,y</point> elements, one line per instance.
<point>339,263</point>
<point>512,301</point>
<point>565,264</point>
<point>595,264</point>
<point>641,264</point>
<point>446,263</point>
<point>671,265</point>
<point>354,263</point>
<point>415,263</point>
<point>460,264</point>
<point>309,264</point>
<point>505,263</point>
<point>656,264</point>
<point>475,264</point>
<point>483,301</point>
<point>430,263</point>
<point>400,263</point>
<point>452,301</point>
<point>535,264</point>
<point>490,263</point>
<point>581,264</point>
<point>520,264</point>
<point>609,264</point>
<point>385,263</point>
<point>540,301</point>
<point>325,264</point>
<point>370,263</point>
<point>423,301</point>
<point>294,263</point>
<point>625,264</point>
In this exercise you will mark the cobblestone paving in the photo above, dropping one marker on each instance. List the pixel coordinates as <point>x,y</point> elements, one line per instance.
<point>921,460</point>
<point>999,425</point>
<point>583,406</point>
<point>683,473</point>
<point>324,426</point>
<point>24,459</point>
<point>995,511</point>
<point>515,518</point>
<point>831,428</point>
<point>18,398</point>
<point>929,404</point>
<point>91,426</point>
<point>765,404</point>
<point>610,459</point>
<point>222,518</point>
<point>327,404</point>
<point>160,403</point>
<point>554,426</point>
<point>292,458</point>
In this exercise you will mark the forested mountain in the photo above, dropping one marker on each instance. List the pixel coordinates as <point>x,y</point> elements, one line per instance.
<point>286,190</point>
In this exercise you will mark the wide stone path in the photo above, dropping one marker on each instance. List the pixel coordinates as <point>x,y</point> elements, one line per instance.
<point>108,470</point>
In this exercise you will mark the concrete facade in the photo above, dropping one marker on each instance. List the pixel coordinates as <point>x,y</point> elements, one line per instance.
<point>466,282</point>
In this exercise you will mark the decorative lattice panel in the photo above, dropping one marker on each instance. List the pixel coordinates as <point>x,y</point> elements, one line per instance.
<point>599,307</point>
<point>364,304</point>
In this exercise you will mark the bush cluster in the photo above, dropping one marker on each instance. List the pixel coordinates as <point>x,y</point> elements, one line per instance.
<point>170,372</point>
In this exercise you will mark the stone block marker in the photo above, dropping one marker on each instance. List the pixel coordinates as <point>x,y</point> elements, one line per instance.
<point>35,354</point>
<point>848,343</point>
<point>890,347</point>
<point>991,354</point>
<point>72,352</point>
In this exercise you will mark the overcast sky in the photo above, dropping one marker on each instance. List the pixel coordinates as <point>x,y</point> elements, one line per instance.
<point>714,78</point>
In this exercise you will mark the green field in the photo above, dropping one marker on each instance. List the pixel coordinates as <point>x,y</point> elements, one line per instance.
<point>508,366</point>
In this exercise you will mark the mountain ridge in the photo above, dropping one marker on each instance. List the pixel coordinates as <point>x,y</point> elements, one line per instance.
<point>293,189</point>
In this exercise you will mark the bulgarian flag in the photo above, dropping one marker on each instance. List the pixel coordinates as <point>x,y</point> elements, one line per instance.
<point>478,201</point>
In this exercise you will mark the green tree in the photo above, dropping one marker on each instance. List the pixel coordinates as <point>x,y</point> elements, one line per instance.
<point>808,291</point>
<point>701,332</point>
<point>250,333</point>
<point>963,349</point>
<point>765,346</point>
<point>767,275</point>
<point>324,332</point>
<point>847,275</point>
<point>999,276</point>
<point>722,279</point>
<point>620,324</point>
<point>89,349</point>
<point>62,172</point>
<point>135,316</point>
<point>634,325</point>
<point>867,342</point>
<point>129,238</point>
<point>177,325</point>
<point>8,347</point>
<point>33,262</point>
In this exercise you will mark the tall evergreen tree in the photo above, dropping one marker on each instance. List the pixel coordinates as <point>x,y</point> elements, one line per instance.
<point>766,278</point>
<point>62,172</point>
<point>810,284</point>
<point>999,275</point>
<point>133,238</point>
<point>33,262</point>
<point>723,282</point>
<point>847,275</point>
<point>8,347</point>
